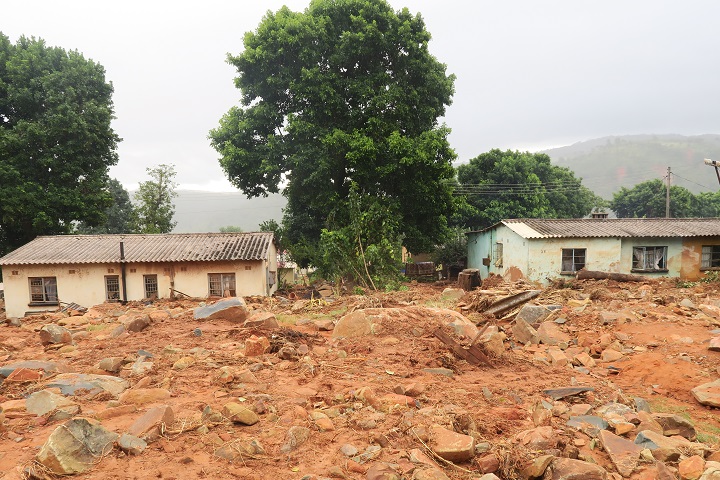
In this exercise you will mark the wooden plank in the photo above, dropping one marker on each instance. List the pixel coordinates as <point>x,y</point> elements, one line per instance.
<point>472,355</point>
<point>507,303</point>
<point>618,277</point>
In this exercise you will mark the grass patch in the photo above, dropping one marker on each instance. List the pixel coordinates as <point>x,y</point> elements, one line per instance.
<point>708,434</point>
<point>441,302</point>
<point>95,328</point>
<point>286,319</point>
<point>339,312</point>
<point>663,406</point>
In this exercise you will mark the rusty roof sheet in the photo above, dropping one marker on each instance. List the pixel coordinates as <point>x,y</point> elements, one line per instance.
<point>612,227</point>
<point>178,247</point>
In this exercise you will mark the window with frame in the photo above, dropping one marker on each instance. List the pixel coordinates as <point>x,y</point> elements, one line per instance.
<point>498,254</point>
<point>43,290</point>
<point>112,288</point>
<point>710,257</point>
<point>649,259</point>
<point>221,285</point>
<point>151,286</point>
<point>573,260</point>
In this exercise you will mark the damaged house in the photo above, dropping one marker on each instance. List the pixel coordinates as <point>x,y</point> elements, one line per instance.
<point>543,249</point>
<point>90,269</point>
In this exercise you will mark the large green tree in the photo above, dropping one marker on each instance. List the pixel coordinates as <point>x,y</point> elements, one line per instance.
<point>118,216</point>
<point>154,209</point>
<point>512,184</point>
<point>56,143</point>
<point>342,97</point>
<point>648,200</point>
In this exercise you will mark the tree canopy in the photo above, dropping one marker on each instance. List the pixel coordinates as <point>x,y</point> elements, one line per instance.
<point>154,208</point>
<point>342,97</point>
<point>513,184</point>
<point>118,216</point>
<point>647,200</point>
<point>56,143</point>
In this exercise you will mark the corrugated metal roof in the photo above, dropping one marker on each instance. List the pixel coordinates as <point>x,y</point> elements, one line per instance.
<point>612,227</point>
<point>178,247</point>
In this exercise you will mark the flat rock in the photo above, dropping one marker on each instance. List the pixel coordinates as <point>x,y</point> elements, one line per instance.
<point>356,324</point>
<point>75,447</point>
<point>551,334</point>
<point>570,469</point>
<point>524,332</point>
<point>45,401</point>
<point>623,453</point>
<point>691,468</point>
<point>558,393</point>
<point>135,322</point>
<point>294,438</point>
<point>153,423</point>
<point>452,446</point>
<point>668,448</point>
<point>533,313</point>
<point>540,438</point>
<point>266,320</point>
<point>708,393</point>
<point>714,344</point>
<point>538,466</point>
<point>140,396</point>
<point>232,309</point>
<point>589,424</point>
<point>70,383</point>
<point>111,364</point>
<point>676,425</point>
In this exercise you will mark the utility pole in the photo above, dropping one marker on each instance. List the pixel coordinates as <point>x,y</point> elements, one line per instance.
<point>667,195</point>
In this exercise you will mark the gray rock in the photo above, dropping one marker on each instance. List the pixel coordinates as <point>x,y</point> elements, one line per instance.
<point>131,444</point>
<point>588,424</point>
<point>232,309</point>
<point>676,425</point>
<point>44,401</point>
<point>54,334</point>
<point>46,367</point>
<point>75,447</point>
<point>349,450</point>
<point>533,313</point>
<point>69,383</point>
<point>641,405</point>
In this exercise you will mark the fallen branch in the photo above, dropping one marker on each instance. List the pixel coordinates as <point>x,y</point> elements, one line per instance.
<point>618,277</point>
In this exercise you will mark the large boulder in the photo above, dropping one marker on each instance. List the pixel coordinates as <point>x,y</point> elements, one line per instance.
<point>75,447</point>
<point>232,309</point>
<point>708,393</point>
<point>52,334</point>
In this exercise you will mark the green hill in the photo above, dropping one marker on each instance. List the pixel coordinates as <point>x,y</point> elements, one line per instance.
<point>609,163</point>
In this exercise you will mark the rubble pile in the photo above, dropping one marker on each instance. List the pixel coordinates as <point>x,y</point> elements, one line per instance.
<point>594,380</point>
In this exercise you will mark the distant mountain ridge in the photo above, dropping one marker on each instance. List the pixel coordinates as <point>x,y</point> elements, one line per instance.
<point>606,164</point>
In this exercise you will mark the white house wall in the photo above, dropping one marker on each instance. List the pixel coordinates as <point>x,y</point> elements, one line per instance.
<point>86,284</point>
<point>674,260</point>
<point>515,253</point>
<point>601,254</point>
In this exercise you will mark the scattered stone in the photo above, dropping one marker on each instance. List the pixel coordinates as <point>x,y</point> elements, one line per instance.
<point>111,364</point>
<point>452,293</point>
<point>256,346</point>
<point>232,309</point>
<point>623,453</point>
<point>570,469</point>
<point>538,466</point>
<point>153,423</point>
<point>75,446</point>
<point>54,334</point>
<point>610,355</point>
<point>676,425</point>
<point>708,393</point>
<point>325,324</point>
<point>540,438</point>
<point>24,375</point>
<point>141,396</point>
<point>46,367</point>
<point>356,324</point>
<point>135,323</point>
<point>183,363</point>
<point>533,313</point>
<point>266,320</point>
<point>439,371</point>
<point>668,448</point>
<point>691,468</point>
<point>131,444</point>
<point>70,383</point>
<point>295,437</point>
<point>45,401</point>
<point>714,344</point>
<point>452,446</point>
<point>238,413</point>
<point>524,333</point>
<point>591,425</point>
<point>550,334</point>
<point>559,393</point>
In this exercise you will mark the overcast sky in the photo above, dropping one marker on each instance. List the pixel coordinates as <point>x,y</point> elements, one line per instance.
<point>530,74</point>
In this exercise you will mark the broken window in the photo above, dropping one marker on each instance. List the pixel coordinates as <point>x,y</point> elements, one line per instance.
<point>710,256</point>
<point>112,288</point>
<point>43,290</point>
<point>151,286</point>
<point>498,254</point>
<point>573,259</point>
<point>649,259</point>
<point>221,285</point>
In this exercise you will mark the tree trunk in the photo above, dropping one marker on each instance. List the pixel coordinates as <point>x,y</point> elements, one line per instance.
<point>618,277</point>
